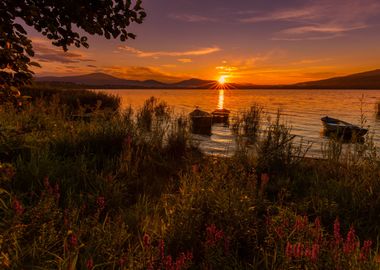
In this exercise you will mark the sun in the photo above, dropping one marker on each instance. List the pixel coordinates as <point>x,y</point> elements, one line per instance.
<point>222,79</point>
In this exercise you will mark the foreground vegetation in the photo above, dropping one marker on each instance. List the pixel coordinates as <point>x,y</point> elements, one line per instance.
<point>130,190</point>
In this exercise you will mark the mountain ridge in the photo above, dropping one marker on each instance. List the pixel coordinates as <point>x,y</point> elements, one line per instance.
<point>366,80</point>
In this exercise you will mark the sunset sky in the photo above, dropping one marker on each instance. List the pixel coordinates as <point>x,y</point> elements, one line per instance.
<point>255,41</point>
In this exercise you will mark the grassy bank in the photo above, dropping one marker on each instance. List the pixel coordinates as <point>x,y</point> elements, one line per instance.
<point>130,190</point>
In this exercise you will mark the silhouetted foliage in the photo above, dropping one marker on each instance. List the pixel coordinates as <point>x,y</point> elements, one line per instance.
<point>62,22</point>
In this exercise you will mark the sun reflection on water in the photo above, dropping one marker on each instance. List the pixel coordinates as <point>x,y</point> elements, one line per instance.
<point>221,99</point>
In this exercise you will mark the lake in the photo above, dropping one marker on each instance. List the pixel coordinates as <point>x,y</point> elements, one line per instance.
<point>301,109</point>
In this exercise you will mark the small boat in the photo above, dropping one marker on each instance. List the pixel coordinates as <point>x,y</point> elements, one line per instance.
<point>342,128</point>
<point>201,122</point>
<point>220,116</point>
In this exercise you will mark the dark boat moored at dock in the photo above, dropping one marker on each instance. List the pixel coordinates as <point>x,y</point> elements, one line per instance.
<point>220,116</point>
<point>201,122</point>
<point>342,128</point>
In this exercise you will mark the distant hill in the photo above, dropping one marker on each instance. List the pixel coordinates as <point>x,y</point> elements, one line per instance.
<point>364,80</point>
<point>194,83</point>
<point>102,80</point>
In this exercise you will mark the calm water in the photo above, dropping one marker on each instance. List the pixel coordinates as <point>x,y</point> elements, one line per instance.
<point>301,109</point>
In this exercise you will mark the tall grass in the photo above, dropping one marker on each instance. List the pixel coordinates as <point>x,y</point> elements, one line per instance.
<point>128,190</point>
<point>75,100</point>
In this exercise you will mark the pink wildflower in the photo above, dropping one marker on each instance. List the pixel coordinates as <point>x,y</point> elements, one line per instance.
<point>47,185</point>
<point>101,203</point>
<point>307,252</point>
<point>122,262</point>
<point>298,250</point>
<point>301,223</point>
<point>161,246</point>
<point>213,235</point>
<point>349,244</point>
<point>280,232</point>
<point>314,252</point>
<point>337,236</point>
<point>189,256</point>
<point>90,264</point>
<point>73,240</point>
<point>180,262</point>
<point>289,250</point>
<point>318,231</point>
<point>168,262</point>
<point>17,206</point>
<point>364,251</point>
<point>146,240</point>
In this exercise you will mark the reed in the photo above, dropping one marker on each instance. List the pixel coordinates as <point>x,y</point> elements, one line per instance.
<point>75,99</point>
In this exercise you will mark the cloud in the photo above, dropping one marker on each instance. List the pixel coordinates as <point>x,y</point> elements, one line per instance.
<point>192,18</point>
<point>321,37</point>
<point>322,19</point>
<point>282,15</point>
<point>169,66</point>
<point>185,60</point>
<point>245,67</point>
<point>196,52</point>
<point>311,61</point>
<point>45,53</point>
<point>333,29</point>
<point>141,73</point>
